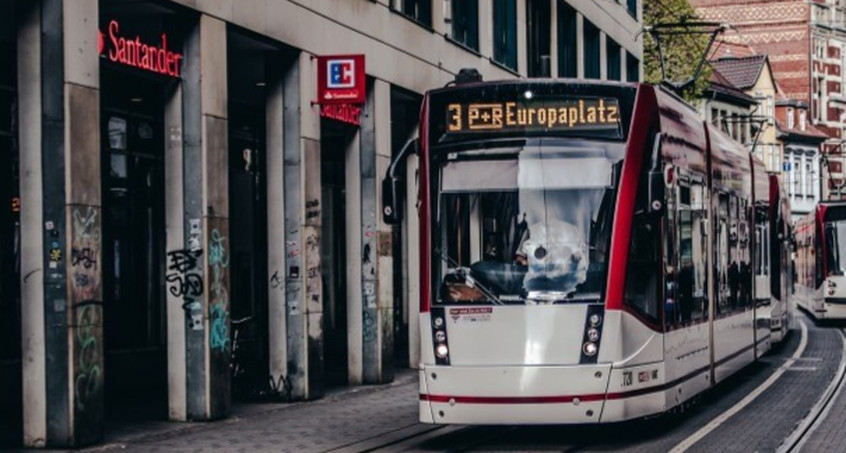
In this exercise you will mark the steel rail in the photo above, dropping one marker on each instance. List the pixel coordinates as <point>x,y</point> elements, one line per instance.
<point>819,412</point>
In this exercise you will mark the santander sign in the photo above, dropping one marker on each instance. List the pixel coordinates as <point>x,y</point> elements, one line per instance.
<point>133,52</point>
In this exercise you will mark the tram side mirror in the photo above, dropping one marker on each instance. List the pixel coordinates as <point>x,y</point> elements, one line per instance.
<point>393,186</point>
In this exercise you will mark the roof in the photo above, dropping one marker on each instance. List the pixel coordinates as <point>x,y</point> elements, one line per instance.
<point>742,72</point>
<point>810,135</point>
<point>723,88</point>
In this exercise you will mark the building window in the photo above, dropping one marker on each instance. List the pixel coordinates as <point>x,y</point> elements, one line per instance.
<point>505,32</point>
<point>591,46</point>
<point>632,68</point>
<point>715,117</point>
<point>612,56</point>
<point>809,180</point>
<point>632,7</point>
<point>539,34</point>
<point>465,23</point>
<point>790,120</point>
<point>802,120</point>
<point>567,41</point>
<point>770,108</point>
<point>419,10</point>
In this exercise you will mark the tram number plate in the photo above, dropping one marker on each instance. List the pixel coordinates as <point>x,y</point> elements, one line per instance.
<point>627,378</point>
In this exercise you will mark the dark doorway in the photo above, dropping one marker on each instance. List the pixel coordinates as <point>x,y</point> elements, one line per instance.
<point>10,244</point>
<point>248,213</point>
<point>405,109</point>
<point>132,107</point>
<point>334,141</point>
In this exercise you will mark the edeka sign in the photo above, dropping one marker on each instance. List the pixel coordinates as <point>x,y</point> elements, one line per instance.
<point>340,79</point>
<point>345,113</point>
<point>133,52</point>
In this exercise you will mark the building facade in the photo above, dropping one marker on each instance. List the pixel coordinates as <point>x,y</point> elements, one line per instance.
<point>175,189</point>
<point>804,40</point>
<point>801,143</point>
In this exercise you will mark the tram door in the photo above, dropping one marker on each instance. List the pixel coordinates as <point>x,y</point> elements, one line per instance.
<point>335,140</point>
<point>133,240</point>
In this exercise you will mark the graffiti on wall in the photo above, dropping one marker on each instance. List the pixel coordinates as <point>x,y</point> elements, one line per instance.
<point>86,301</point>
<point>89,376</point>
<point>185,280</point>
<point>219,296</point>
<point>313,281</point>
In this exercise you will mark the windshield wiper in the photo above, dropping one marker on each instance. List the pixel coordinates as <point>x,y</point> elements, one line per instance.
<point>468,278</point>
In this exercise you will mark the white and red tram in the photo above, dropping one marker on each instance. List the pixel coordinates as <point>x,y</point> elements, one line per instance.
<point>587,252</point>
<point>821,261</point>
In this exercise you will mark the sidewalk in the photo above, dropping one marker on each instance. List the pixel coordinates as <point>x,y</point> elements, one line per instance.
<point>345,416</point>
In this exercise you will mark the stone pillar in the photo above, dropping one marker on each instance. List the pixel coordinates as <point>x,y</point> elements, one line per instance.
<point>553,36</point>
<point>376,242</point>
<point>61,215</point>
<point>303,284</point>
<point>277,315</point>
<point>198,272</point>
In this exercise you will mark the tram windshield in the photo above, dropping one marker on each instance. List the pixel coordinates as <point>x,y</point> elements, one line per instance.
<point>525,225</point>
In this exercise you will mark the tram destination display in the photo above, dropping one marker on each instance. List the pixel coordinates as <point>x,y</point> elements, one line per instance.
<point>593,115</point>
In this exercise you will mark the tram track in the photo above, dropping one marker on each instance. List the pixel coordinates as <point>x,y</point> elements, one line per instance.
<point>818,413</point>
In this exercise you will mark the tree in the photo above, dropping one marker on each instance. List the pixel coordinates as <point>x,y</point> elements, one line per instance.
<point>682,47</point>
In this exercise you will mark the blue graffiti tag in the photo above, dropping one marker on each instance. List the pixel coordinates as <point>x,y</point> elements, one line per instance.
<point>219,306</point>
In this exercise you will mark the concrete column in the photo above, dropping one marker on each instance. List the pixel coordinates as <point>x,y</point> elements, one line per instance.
<point>303,292</point>
<point>603,56</point>
<point>355,338</point>
<point>274,130</point>
<point>198,273</point>
<point>580,46</point>
<point>411,253</point>
<point>60,184</point>
<point>486,28</point>
<point>376,242</point>
<point>175,240</point>
<point>553,35</point>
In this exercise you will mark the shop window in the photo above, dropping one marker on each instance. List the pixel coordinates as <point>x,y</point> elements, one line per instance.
<point>567,41</point>
<point>612,55</point>
<point>418,10</point>
<point>632,68</point>
<point>632,7</point>
<point>465,23</point>
<point>505,32</point>
<point>592,51</point>
<point>539,34</point>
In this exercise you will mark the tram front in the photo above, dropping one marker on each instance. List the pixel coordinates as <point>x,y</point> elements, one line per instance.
<point>518,191</point>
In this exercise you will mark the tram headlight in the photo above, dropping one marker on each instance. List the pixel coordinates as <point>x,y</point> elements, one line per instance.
<point>593,334</point>
<point>595,319</point>
<point>590,349</point>
<point>438,321</point>
<point>440,336</point>
<point>441,351</point>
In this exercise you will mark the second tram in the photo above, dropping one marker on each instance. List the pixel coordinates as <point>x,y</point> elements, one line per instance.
<point>821,261</point>
<point>589,252</point>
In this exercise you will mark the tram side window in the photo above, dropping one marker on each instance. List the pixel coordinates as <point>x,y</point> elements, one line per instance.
<point>643,274</point>
<point>691,273</point>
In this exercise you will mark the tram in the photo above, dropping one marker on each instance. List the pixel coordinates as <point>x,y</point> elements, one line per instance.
<point>820,271</point>
<point>774,284</point>
<point>587,252</point>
